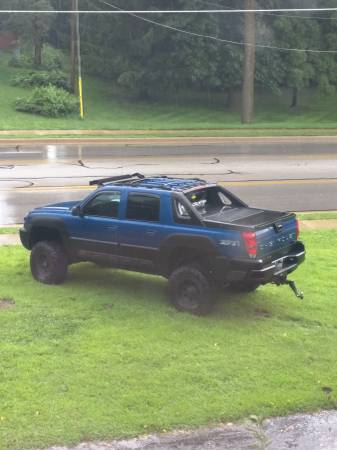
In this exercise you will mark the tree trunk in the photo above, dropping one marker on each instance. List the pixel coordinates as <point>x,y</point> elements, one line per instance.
<point>38,45</point>
<point>249,64</point>
<point>294,100</point>
<point>73,49</point>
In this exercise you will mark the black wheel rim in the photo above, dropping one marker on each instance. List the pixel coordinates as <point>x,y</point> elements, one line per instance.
<point>43,263</point>
<point>188,296</point>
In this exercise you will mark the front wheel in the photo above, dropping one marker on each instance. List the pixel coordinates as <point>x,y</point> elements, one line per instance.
<point>49,262</point>
<point>190,290</point>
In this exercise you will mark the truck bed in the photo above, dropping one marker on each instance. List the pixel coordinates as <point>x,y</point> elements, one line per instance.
<point>243,217</point>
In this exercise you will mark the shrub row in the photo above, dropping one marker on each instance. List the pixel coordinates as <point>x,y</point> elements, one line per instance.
<point>50,96</point>
<point>48,101</point>
<point>41,78</point>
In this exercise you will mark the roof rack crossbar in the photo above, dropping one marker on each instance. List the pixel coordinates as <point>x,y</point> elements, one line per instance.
<point>102,181</point>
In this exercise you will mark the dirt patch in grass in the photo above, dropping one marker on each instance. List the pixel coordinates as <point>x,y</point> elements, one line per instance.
<point>6,303</point>
<point>262,313</point>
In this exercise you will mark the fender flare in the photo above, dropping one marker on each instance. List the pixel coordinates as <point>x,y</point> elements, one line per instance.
<point>194,242</point>
<point>51,223</point>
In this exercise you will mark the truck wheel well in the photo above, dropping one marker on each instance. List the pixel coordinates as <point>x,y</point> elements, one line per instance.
<point>183,256</point>
<point>44,234</point>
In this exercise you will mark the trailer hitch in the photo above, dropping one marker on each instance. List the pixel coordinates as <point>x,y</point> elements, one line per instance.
<point>292,285</point>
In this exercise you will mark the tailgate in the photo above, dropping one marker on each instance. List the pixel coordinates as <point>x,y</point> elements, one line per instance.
<point>276,239</point>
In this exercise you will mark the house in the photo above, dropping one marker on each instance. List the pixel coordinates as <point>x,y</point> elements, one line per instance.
<point>7,40</point>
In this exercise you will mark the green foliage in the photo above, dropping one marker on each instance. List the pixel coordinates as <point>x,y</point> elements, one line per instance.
<point>105,355</point>
<point>9,230</point>
<point>41,78</point>
<point>24,61</point>
<point>144,60</point>
<point>52,59</point>
<point>48,101</point>
<point>317,114</point>
<point>33,28</point>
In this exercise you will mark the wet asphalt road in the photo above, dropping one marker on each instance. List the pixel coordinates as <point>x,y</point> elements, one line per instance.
<point>299,432</point>
<point>280,175</point>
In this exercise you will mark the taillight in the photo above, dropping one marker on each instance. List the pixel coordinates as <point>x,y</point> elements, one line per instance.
<point>297,229</point>
<point>249,239</point>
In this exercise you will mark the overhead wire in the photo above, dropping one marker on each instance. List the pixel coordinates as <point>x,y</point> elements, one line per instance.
<point>215,38</point>
<point>274,14</point>
<point>168,11</point>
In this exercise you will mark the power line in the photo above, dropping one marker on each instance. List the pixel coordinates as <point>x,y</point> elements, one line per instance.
<point>214,38</point>
<point>166,11</point>
<point>278,15</point>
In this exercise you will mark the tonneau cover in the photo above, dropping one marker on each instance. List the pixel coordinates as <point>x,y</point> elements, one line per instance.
<point>244,217</point>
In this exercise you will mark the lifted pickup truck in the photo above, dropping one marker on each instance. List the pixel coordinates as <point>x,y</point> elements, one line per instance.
<point>198,235</point>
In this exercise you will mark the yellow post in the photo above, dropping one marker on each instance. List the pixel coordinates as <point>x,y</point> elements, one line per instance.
<point>79,62</point>
<point>80,92</point>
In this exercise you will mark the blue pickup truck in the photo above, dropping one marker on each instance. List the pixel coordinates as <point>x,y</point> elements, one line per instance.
<point>197,234</point>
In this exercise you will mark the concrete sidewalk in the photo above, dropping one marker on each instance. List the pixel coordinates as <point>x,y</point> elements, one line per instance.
<point>9,239</point>
<point>301,431</point>
<point>165,131</point>
<point>150,137</point>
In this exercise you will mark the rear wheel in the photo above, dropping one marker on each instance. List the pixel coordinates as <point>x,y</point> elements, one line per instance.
<point>190,290</point>
<point>49,262</point>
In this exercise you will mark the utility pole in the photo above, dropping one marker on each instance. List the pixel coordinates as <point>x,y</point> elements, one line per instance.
<point>73,54</point>
<point>75,50</point>
<point>249,63</point>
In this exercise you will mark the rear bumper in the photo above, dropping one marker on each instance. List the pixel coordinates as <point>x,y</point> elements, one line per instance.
<point>259,271</point>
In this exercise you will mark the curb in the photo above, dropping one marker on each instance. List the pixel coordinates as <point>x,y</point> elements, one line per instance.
<point>174,140</point>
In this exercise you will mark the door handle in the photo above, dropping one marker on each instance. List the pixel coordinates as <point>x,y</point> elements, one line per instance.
<point>113,228</point>
<point>151,232</point>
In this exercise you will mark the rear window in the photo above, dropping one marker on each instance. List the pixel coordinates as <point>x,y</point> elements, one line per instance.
<point>143,207</point>
<point>209,200</point>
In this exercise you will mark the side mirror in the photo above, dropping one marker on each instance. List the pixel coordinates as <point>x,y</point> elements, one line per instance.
<point>77,210</point>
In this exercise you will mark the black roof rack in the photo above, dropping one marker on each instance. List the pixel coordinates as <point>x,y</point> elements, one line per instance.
<point>103,181</point>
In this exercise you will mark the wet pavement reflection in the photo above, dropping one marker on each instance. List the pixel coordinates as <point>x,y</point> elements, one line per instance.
<point>275,177</point>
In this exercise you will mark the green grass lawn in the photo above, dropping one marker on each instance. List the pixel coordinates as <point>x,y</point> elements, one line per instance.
<point>104,111</point>
<point>9,230</point>
<point>105,355</point>
<point>328,215</point>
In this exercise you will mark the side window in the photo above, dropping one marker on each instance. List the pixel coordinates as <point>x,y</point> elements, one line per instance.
<point>104,205</point>
<point>143,207</point>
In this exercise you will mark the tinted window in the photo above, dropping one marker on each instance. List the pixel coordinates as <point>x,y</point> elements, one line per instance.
<point>104,205</point>
<point>143,207</point>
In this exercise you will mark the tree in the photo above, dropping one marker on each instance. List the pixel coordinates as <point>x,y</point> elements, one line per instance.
<point>32,27</point>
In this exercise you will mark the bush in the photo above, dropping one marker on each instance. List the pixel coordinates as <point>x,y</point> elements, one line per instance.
<point>40,78</point>
<point>23,61</point>
<point>48,101</point>
<point>52,59</point>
